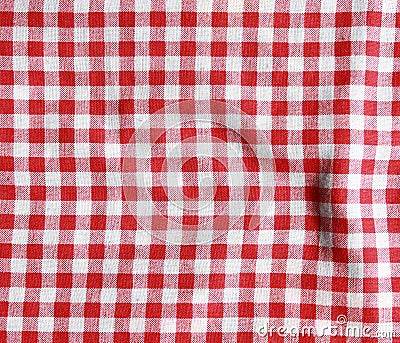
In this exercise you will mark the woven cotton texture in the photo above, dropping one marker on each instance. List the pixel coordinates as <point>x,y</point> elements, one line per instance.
<point>321,78</point>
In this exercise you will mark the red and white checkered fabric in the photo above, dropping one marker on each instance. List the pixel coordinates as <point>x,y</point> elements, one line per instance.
<point>197,169</point>
<point>322,78</point>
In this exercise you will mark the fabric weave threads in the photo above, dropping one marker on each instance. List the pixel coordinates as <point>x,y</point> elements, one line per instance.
<point>321,78</point>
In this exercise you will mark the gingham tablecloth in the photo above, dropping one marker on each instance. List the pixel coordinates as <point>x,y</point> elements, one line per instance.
<point>321,78</point>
